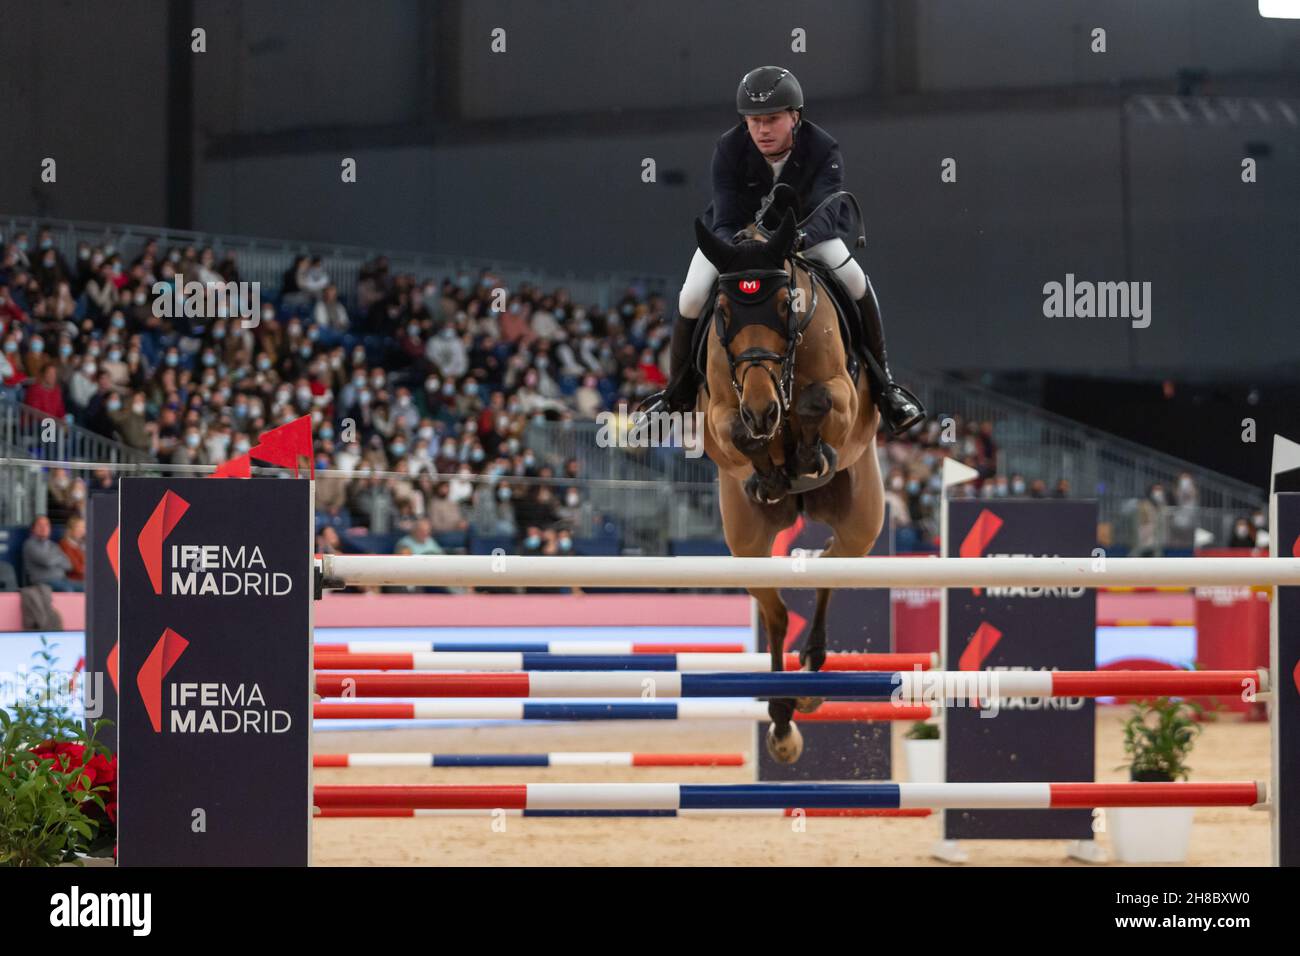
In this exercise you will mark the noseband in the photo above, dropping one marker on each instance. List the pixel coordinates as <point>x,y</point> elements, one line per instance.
<point>747,292</point>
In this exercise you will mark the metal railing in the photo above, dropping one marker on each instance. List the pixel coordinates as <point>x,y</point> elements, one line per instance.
<point>265,260</point>
<point>29,434</point>
<point>1039,444</point>
<point>1030,441</point>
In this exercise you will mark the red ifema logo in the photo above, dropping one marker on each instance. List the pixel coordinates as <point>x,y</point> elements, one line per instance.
<point>165,517</point>
<point>166,652</point>
<point>982,532</point>
<point>979,647</point>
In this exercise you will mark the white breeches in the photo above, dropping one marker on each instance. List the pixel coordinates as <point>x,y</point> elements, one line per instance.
<point>700,276</point>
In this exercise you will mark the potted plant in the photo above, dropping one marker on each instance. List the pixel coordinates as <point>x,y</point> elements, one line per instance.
<point>57,784</point>
<point>1158,736</point>
<point>924,752</point>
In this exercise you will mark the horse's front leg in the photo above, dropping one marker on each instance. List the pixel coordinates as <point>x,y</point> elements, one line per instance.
<point>824,412</point>
<point>769,483</point>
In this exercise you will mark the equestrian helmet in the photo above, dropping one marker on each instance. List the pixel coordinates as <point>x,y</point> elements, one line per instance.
<point>768,89</point>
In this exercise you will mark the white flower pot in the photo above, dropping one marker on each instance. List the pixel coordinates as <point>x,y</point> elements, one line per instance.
<point>1150,834</point>
<point>924,760</point>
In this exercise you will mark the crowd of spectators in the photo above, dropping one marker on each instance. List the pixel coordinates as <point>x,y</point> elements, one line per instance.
<point>420,390</point>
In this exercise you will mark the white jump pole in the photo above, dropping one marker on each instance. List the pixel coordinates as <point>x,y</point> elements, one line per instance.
<point>722,572</point>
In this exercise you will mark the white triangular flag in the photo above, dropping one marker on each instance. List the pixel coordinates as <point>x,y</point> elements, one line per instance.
<point>1286,455</point>
<point>955,473</point>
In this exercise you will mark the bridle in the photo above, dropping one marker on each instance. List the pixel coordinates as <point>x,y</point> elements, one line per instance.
<point>747,291</point>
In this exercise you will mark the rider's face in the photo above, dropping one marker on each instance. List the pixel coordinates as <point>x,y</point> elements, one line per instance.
<point>772,133</point>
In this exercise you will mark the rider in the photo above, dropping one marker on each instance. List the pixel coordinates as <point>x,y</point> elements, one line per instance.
<point>774,144</point>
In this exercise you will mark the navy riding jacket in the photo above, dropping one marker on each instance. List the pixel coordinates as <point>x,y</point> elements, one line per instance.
<point>742,177</point>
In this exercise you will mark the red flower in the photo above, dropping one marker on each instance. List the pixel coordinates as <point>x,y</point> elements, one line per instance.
<point>101,771</point>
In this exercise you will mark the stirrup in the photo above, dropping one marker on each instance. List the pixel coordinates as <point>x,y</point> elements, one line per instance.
<point>902,409</point>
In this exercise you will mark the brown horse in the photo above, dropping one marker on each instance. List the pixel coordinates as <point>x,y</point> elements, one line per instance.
<point>788,428</point>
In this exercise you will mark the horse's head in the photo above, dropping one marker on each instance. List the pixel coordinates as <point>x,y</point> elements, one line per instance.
<point>752,320</point>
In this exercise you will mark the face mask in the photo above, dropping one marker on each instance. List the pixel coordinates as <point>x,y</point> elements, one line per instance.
<point>65,350</point>
<point>529,461</point>
<point>476,455</point>
<point>412,330</point>
<point>399,449</point>
<point>571,499</point>
<point>358,381</point>
<point>119,322</point>
<point>566,544</point>
<point>138,408</point>
<point>427,433</point>
<point>404,401</point>
<point>172,359</point>
<point>11,346</point>
<point>114,405</point>
<point>83,254</point>
<point>115,356</point>
<point>448,450</point>
<point>117,268</point>
<point>38,345</point>
<point>241,446</point>
<point>219,334</point>
<point>303,395</point>
<point>264,363</point>
<point>209,360</point>
<point>192,441</point>
<point>174,257</point>
<point>1017,487</point>
<point>139,298</point>
<point>532,541</point>
<point>89,370</point>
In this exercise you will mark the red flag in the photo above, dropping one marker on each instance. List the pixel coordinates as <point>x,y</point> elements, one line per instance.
<point>285,445</point>
<point>235,468</point>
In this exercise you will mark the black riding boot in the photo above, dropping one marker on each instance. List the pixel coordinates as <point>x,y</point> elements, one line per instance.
<point>899,407</point>
<point>684,380</point>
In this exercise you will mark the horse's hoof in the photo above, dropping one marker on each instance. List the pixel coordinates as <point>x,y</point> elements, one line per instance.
<point>786,749</point>
<point>806,705</point>
<point>763,492</point>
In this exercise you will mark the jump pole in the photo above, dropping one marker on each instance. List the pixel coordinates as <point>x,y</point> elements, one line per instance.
<point>554,759</point>
<point>340,570</point>
<point>674,796</point>
<point>908,686</point>
<point>494,661</point>
<point>365,812</point>
<point>492,709</point>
